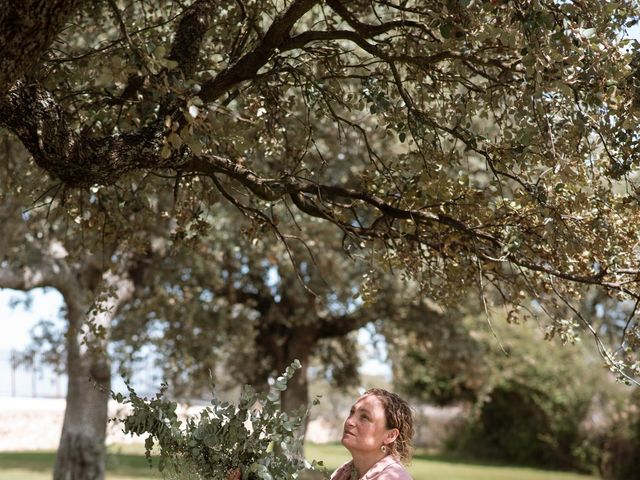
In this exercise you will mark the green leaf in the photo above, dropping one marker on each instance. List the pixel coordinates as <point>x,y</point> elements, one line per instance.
<point>273,396</point>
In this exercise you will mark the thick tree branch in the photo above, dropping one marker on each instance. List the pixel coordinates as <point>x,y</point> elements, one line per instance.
<point>422,61</point>
<point>190,33</point>
<point>79,161</point>
<point>333,327</point>
<point>33,115</point>
<point>27,277</point>
<point>274,189</point>
<point>248,65</point>
<point>27,30</point>
<point>368,30</point>
<point>312,198</point>
<point>48,271</point>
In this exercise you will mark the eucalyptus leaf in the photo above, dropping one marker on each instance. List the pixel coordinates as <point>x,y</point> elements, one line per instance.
<point>216,441</point>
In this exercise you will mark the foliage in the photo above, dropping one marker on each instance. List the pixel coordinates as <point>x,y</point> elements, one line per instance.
<point>520,424</point>
<point>534,403</point>
<point>619,444</point>
<point>469,145</point>
<point>472,355</point>
<point>254,436</point>
<point>241,301</point>
<point>437,356</point>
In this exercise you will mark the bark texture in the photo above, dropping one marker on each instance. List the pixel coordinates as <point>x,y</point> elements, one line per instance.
<point>27,30</point>
<point>81,454</point>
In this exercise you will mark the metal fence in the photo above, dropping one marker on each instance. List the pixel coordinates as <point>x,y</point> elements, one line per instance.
<point>38,379</point>
<point>29,380</point>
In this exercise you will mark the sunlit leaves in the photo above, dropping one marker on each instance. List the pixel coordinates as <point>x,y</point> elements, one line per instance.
<point>482,144</point>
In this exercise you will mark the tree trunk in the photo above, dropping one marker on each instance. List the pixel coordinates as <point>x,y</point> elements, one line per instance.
<point>81,453</point>
<point>27,30</point>
<point>298,346</point>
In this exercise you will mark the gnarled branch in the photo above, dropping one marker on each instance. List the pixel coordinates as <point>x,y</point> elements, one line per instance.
<point>27,30</point>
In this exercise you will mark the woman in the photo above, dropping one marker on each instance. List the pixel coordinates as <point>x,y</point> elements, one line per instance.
<point>378,434</point>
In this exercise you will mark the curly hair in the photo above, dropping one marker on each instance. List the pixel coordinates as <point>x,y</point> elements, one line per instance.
<point>398,415</point>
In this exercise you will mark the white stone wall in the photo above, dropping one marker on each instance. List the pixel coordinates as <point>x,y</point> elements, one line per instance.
<point>36,423</point>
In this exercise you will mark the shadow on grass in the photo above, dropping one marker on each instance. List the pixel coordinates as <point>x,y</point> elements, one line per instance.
<point>132,465</point>
<point>37,461</point>
<point>123,464</point>
<point>458,459</point>
<point>129,464</point>
<point>451,457</point>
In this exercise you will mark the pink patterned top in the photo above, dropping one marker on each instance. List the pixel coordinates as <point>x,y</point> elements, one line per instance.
<point>388,468</point>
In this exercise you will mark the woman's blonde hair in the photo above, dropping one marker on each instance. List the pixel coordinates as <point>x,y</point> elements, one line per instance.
<point>398,415</point>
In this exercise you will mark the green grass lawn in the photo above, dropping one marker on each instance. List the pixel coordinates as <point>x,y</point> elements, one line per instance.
<point>437,467</point>
<point>128,463</point>
<point>122,464</point>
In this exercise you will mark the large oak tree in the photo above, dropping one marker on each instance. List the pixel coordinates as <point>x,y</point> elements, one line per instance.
<point>474,146</point>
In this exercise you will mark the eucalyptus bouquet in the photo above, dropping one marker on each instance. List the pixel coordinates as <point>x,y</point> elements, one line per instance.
<point>252,439</point>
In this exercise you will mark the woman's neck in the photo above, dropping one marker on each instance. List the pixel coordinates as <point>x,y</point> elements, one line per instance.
<point>364,462</point>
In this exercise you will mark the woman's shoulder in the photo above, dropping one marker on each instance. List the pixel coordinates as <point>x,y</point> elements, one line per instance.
<point>343,472</point>
<point>395,471</point>
<point>388,469</point>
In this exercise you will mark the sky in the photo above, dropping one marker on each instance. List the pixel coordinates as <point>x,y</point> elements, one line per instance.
<point>17,322</point>
<point>15,325</point>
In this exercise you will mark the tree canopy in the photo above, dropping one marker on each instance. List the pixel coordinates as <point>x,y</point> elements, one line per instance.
<point>473,145</point>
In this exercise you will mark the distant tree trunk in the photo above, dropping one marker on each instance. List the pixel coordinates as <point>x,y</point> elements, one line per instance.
<point>297,393</point>
<point>282,344</point>
<point>81,453</point>
<point>298,345</point>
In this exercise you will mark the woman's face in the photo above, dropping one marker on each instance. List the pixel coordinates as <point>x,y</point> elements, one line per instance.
<point>365,429</point>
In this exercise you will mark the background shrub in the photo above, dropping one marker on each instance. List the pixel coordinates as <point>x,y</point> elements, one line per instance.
<point>620,447</point>
<point>535,403</point>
